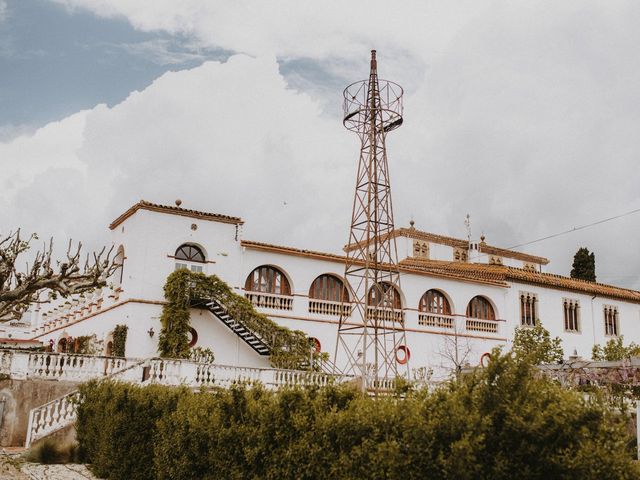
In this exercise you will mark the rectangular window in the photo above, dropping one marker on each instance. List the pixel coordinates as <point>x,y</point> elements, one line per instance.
<point>611,320</point>
<point>196,268</point>
<point>528,309</point>
<point>181,265</point>
<point>571,309</point>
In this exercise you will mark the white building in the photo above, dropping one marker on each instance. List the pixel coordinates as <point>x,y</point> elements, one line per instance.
<point>455,298</point>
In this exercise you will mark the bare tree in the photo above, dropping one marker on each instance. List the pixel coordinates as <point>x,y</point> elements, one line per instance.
<point>45,276</point>
<point>456,350</point>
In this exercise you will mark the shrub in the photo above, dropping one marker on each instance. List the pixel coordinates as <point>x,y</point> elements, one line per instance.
<point>116,425</point>
<point>535,345</point>
<point>501,422</point>
<point>119,340</point>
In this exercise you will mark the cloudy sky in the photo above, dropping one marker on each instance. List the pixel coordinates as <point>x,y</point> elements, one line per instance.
<point>526,115</point>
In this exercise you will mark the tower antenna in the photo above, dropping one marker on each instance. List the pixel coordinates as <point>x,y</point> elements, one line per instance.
<point>371,340</point>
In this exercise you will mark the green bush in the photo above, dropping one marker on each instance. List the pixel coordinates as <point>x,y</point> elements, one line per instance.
<point>119,340</point>
<point>116,425</point>
<point>502,422</point>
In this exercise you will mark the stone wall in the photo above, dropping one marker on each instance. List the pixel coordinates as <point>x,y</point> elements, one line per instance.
<point>18,397</point>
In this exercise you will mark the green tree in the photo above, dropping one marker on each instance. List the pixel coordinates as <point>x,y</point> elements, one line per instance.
<point>614,350</point>
<point>535,345</point>
<point>584,265</point>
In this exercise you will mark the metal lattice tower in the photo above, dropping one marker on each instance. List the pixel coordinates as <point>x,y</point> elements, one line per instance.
<point>371,341</point>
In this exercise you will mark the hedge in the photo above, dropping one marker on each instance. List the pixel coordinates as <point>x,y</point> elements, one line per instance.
<point>500,423</point>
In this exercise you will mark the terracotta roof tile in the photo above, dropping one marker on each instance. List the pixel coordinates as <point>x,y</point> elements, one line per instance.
<point>174,210</point>
<point>403,265</point>
<point>503,273</point>
<point>459,243</point>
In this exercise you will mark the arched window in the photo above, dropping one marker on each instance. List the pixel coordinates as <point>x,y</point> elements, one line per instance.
<point>479,307</point>
<point>434,301</point>
<point>267,279</point>
<point>384,291</point>
<point>328,295</point>
<point>330,288</point>
<point>189,256</point>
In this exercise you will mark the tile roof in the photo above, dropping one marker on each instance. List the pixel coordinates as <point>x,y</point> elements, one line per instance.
<point>485,279</point>
<point>174,210</point>
<point>497,275</point>
<point>459,243</point>
<point>503,273</point>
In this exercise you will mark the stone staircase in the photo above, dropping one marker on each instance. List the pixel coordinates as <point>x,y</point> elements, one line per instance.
<point>237,327</point>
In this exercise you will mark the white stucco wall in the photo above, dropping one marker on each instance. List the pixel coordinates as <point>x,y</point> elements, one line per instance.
<point>151,238</point>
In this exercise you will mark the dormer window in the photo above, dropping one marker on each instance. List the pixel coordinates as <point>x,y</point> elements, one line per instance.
<point>495,260</point>
<point>190,257</point>
<point>460,254</point>
<point>420,249</point>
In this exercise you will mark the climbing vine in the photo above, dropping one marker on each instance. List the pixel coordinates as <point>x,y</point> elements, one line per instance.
<point>119,340</point>
<point>184,289</point>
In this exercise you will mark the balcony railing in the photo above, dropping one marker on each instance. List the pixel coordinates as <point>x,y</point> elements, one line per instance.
<point>478,325</point>
<point>326,307</point>
<point>459,324</point>
<point>76,309</point>
<point>270,300</point>
<point>386,314</point>
<point>436,320</point>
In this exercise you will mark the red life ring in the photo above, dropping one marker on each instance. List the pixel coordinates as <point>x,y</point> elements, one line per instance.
<point>407,354</point>
<point>317,346</point>
<point>485,358</point>
<point>194,337</point>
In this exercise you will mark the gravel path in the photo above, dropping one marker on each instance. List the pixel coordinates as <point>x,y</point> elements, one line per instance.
<point>12,469</point>
<point>36,471</point>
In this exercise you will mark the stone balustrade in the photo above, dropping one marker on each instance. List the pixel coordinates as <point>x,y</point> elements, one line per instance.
<point>51,417</point>
<point>326,307</point>
<point>21,365</point>
<point>480,325</point>
<point>77,308</point>
<point>386,314</point>
<point>458,324</point>
<point>436,320</point>
<point>270,300</point>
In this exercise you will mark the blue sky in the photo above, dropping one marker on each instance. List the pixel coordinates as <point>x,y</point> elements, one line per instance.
<point>55,62</point>
<point>523,114</point>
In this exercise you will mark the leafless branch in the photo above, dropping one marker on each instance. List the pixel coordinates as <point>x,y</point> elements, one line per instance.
<point>45,276</point>
<point>456,350</point>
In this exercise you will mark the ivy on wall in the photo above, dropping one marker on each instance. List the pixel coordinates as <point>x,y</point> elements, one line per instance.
<point>119,340</point>
<point>183,289</point>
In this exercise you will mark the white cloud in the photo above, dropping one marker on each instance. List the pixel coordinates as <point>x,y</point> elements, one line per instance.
<point>522,114</point>
<point>3,10</point>
<point>290,28</point>
<point>211,136</point>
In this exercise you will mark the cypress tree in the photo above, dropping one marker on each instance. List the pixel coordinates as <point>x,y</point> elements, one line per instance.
<point>584,265</point>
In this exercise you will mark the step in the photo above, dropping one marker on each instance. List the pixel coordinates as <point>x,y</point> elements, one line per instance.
<point>250,338</point>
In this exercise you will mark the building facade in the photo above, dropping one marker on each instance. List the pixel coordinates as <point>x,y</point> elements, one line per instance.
<point>457,299</point>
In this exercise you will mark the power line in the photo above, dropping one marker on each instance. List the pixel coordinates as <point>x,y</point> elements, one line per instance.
<point>575,229</point>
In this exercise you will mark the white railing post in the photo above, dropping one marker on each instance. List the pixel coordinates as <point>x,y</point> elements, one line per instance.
<point>19,365</point>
